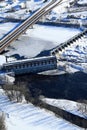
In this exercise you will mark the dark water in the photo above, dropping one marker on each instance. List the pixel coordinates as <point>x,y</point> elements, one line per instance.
<point>66,86</point>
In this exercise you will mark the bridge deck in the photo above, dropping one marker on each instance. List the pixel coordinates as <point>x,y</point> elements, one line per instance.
<point>31,65</point>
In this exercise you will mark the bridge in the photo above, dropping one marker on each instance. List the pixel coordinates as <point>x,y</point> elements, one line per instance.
<point>40,64</point>
<point>71,41</point>
<point>34,65</point>
<point>5,41</point>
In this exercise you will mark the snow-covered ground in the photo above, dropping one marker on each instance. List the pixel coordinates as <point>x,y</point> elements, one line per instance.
<point>52,33</point>
<point>6,78</point>
<point>82,1</point>
<point>26,116</point>
<point>19,9</point>
<point>67,105</point>
<point>42,38</point>
<point>37,39</point>
<point>62,7</point>
<point>61,12</point>
<point>6,27</point>
<point>48,33</point>
<point>2,59</point>
<point>76,54</point>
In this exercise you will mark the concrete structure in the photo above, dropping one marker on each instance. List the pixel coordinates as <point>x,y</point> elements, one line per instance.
<point>34,65</point>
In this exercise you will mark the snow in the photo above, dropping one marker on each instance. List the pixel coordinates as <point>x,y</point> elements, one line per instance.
<point>37,39</point>
<point>67,105</point>
<point>6,27</point>
<point>10,79</point>
<point>49,33</point>
<point>61,8</point>
<point>2,4</point>
<point>42,38</point>
<point>73,58</point>
<point>26,116</point>
<point>6,78</point>
<point>2,59</point>
<point>20,6</point>
<point>61,12</point>
<point>52,33</point>
<point>62,103</point>
<point>31,5</point>
<point>82,1</point>
<point>47,37</point>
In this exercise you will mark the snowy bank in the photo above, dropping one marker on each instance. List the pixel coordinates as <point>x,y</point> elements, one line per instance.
<point>28,117</point>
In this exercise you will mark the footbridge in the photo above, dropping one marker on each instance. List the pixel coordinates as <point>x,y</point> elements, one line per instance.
<point>71,41</point>
<point>5,41</point>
